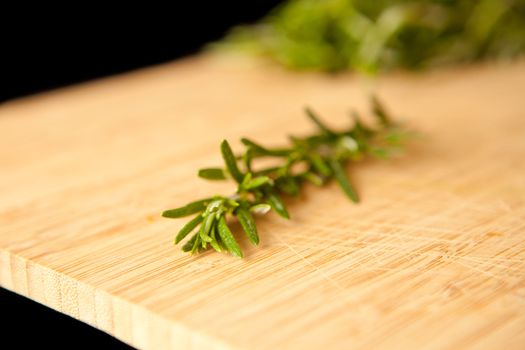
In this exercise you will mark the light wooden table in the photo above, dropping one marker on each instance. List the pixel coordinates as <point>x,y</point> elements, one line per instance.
<point>433,257</point>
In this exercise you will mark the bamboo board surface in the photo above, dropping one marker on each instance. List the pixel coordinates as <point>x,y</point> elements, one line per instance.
<point>433,257</point>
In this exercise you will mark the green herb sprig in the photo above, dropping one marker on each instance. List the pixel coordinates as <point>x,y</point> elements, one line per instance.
<point>381,35</point>
<point>317,158</point>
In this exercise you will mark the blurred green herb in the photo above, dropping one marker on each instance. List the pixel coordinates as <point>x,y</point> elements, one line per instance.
<point>371,36</point>
<point>317,158</point>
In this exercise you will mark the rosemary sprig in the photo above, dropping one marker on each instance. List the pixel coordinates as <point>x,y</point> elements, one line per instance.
<point>381,35</point>
<point>317,158</point>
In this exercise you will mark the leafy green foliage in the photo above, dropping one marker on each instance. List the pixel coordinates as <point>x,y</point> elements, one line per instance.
<point>228,239</point>
<point>231,162</point>
<point>372,36</point>
<point>186,229</point>
<point>321,157</point>
<point>277,204</point>
<point>248,224</point>
<point>342,180</point>
<point>188,209</point>
<point>212,174</point>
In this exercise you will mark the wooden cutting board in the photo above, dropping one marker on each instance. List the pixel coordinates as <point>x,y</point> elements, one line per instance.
<point>433,257</point>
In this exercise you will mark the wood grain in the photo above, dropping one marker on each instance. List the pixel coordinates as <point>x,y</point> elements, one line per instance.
<point>433,257</point>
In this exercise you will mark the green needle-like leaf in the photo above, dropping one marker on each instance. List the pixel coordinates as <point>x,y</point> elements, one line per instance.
<point>186,229</point>
<point>260,150</point>
<point>313,117</point>
<point>342,180</point>
<point>380,112</point>
<point>206,228</point>
<point>320,165</point>
<point>248,224</point>
<point>247,178</point>
<point>316,179</point>
<point>254,146</point>
<point>231,162</point>
<point>277,204</point>
<point>248,158</point>
<point>218,237</point>
<point>214,244</point>
<point>359,130</point>
<point>196,245</point>
<point>188,209</point>
<point>227,238</point>
<point>212,174</point>
<point>188,246</point>
<point>257,182</point>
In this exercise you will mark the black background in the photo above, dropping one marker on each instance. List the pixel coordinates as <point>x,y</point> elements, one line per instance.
<point>48,46</point>
<point>45,46</point>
